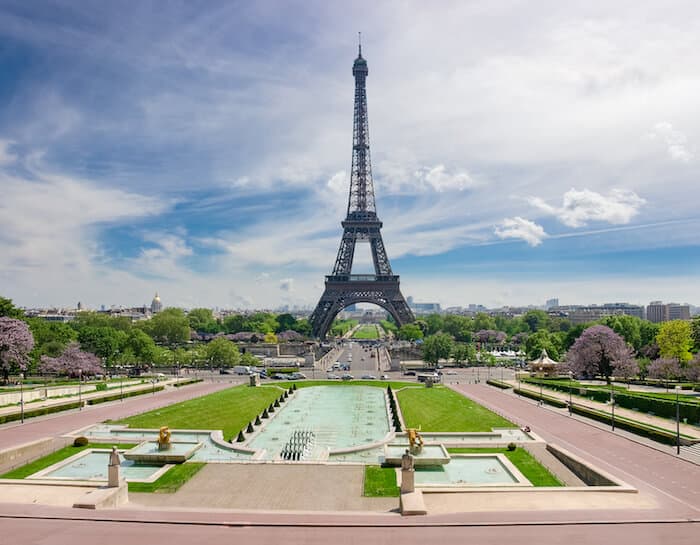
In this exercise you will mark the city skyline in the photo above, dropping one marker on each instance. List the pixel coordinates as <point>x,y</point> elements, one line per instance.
<point>206,154</point>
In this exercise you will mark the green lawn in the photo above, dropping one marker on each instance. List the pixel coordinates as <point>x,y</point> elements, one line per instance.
<point>366,332</point>
<point>42,463</point>
<point>380,482</point>
<point>533,471</point>
<point>442,409</point>
<point>171,480</point>
<point>228,410</point>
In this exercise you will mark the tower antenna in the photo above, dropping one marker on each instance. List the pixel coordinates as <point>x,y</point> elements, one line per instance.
<point>359,42</point>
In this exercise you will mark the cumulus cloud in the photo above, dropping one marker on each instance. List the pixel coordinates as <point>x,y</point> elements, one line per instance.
<point>338,183</point>
<point>521,228</point>
<point>676,142</point>
<point>440,179</point>
<point>580,207</point>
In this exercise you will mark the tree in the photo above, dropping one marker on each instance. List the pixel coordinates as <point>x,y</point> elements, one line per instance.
<point>695,332</point>
<point>628,327</point>
<point>536,320</point>
<point>285,321</point>
<point>141,346</point>
<point>50,338</point>
<point>16,342</point>
<point>483,321</point>
<point>542,340</point>
<point>675,340</point>
<point>104,342</point>
<point>100,319</point>
<point>460,353</point>
<point>222,353</point>
<point>73,362</point>
<point>664,368</point>
<point>169,326</point>
<point>9,310</point>
<point>202,320</point>
<point>303,327</point>
<point>437,347</point>
<point>410,332</point>
<point>270,338</point>
<point>599,351</point>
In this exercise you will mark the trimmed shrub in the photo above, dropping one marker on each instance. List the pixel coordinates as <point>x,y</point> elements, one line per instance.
<point>257,420</point>
<point>80,441</point>
<point>545,398</point>
<point>240,437</point>
<point>498,384</point>
<point>512,446</point>
<point>39,412</point>
<point>100,386</point>
<point>250,429</point>
<point>114,397</point>
<point>187,382</point>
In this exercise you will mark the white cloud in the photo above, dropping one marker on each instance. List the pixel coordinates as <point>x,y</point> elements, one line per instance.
<point>580,207</point>
<point>676,142</point>
<point>6,156</point>
<point>441,180</point>
<point>521,228</point>
<point>339,183</point>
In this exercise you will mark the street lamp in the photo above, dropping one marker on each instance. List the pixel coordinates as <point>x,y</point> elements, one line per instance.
<point>541,375</point>
<point>678,423</point>
<point>612,402</point>
<point>21,396</point>
<point>571,378</point>
<point>80,389</point>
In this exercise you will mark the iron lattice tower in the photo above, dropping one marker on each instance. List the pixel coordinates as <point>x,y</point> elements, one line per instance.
<point>361,224</point>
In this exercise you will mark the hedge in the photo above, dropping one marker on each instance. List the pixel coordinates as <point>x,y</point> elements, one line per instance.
<point>187,382</point>
<point>547,399</point>
<point>665,408</point>
<point>114,397</point>
<point>498,384</point>
<point>637,428</point>
<point>49,409</point>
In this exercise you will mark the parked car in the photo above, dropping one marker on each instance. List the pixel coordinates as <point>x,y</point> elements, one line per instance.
<point>384,377</point>
<point>410,373</point>
<point>279,376</point>
<point>297,376</point>
<point>451,372</point>
<point>333,376</point>
<point>369,377</point>
<point>347,376</point>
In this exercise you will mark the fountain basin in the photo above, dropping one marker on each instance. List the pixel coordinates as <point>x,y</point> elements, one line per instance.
<point>149,452</point>
<point>430,455</point>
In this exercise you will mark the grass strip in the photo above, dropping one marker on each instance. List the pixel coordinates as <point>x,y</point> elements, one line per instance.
<point>66,452</point>
<point>441,409</point>
<point>380,482</point>
<point>527,464</point>
<point>228,410</point>
<point>171,480</point>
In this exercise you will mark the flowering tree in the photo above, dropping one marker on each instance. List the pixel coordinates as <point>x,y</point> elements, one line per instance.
<point>692,371</point>
<point>600,351</point>
<point>16,341</point>
<point>72,362</point>
<point>665,368</point>
<point>490,336</point>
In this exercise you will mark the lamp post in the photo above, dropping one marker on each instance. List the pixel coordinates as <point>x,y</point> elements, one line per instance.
<point>571,378</point>
<point>21,396</point>
<point>80,389</point>
<point>678,423</point>
<point>121,386</point>
<point>517,374</point>
<point>540,400</point>
<point>612,403</point>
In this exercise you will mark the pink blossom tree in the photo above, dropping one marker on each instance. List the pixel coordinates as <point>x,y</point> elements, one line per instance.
<point>664,368</point>
<point>73,362</point>
<point>16,341</point>
<point>601,351</point>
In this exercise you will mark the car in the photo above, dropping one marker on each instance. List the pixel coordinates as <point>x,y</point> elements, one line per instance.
<point>384,377</point>
<point>347,376</point>
<point>410,373</point>
<point>451,372</point>
<point>279,376</point>
<point>332,376</point>
<point>369,377</point>
<point>297,376</point>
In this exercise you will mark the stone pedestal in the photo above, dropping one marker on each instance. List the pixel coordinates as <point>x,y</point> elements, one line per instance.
<point>408,480</point>
<point>254,380</point>
<point>114,477</point>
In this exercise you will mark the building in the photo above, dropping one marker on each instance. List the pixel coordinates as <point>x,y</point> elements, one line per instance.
<point>554,302</point>
<point>422,308</point>
<point>579,314</point>
<point>156,305</point>
<point>657,312</point>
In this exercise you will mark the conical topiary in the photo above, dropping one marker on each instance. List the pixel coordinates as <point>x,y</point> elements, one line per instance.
<point>250,428</point>
<point>240,437</point>
<point>265,415</point>
<point>281,399</point>
<point>271,408</point>
<point>276,403</point>
<point>257,420</point>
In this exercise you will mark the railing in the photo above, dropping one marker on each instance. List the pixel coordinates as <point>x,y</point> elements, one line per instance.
<point>362,278</point>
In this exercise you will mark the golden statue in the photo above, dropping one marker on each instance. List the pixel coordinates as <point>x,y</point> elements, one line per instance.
<point>164,438</point>
<point>415,441</point>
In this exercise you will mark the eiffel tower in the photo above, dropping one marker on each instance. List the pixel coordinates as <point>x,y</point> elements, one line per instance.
<point>361,224</point>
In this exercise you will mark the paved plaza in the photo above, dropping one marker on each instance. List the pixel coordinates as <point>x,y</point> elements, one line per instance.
<point>296,504</point>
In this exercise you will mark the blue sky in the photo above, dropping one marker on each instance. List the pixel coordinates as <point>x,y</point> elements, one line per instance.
<point>520,151</point>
